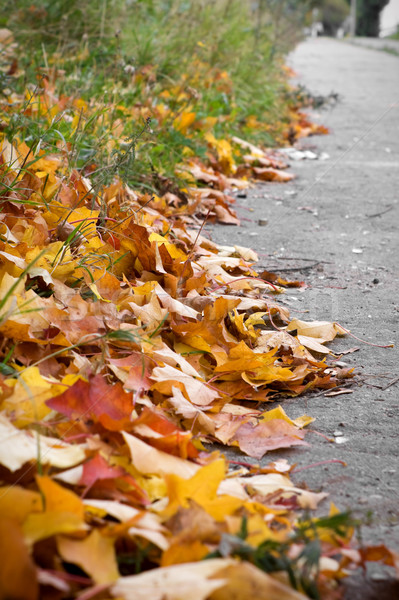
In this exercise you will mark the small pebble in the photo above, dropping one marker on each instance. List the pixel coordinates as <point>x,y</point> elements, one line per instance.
<point>378,577</point>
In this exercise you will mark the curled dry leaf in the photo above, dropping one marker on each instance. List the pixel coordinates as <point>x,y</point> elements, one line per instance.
<point>191,580</point>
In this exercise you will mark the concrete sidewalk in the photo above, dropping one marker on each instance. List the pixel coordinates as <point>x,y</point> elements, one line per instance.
<point>384,44</point>
<point>344,213</point>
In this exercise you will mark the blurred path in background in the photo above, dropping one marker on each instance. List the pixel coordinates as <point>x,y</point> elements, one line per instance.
<point>384,44</point>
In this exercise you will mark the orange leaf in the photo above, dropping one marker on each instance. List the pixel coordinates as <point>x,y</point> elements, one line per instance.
<point>95,555</point>
<point>18,576</point>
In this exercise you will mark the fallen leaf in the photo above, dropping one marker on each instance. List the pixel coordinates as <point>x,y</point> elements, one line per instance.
<point>63,512</point>
<point>95,399</point>
<point>190,580</point>
<point>280,486</point>
<point>149,460</point>
<point>20,447</point>
<point>269,174</point>
<point>257,440</point>
<point>18,576</point>
<point>95,555</point>
<point>244,581</point>
<point>338,392</point>
<point>197,391</point>
<point>323,330</point>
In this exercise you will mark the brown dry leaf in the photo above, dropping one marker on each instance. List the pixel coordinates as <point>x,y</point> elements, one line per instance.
<point>197,391</point>
<point>146,524</point>
<point>257,440</point>
<point>245,581</point>
<point>149,460</point>
<point>20,447</point>
<point>268,174</point>
<point>280,486</point>
<point>338,392</point>
<point>312,344</point>
<point>324,331</point>
<point>178,582</point>
<point>189,411</point>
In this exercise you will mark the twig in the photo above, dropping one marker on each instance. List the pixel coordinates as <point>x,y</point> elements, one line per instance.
<point>288,269</point>
<point>318,464</point>
<point>364,341</point>
<point>324,262</point>
<point>390,384</point>
<point>380,213</point>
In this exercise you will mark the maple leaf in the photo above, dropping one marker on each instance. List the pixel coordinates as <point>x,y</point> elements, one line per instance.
<point>95,555</point>
<point>108,404</point>
<point>257,440</point>
<point>63,512</point>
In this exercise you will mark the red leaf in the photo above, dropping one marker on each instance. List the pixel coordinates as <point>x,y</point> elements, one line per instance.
<point>96,400</point>
<point>97,468</point>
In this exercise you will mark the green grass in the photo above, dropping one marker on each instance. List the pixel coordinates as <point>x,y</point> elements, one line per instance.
<point>220,59</point>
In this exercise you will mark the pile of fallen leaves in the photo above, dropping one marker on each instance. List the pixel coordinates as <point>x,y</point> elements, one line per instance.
<point>128,340</point>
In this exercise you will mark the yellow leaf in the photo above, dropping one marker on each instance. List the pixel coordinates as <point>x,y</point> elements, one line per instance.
<point>279,413</point>
<point>95,555</point>
<point>17,503</point>
<point>57,260</point>
<point>63,513</point>
<point>171,248</point>
<point>184,552</point>
<point>202,487</point>
<point>224,152</point>
<point>30,392</point>
<point>184,120</point>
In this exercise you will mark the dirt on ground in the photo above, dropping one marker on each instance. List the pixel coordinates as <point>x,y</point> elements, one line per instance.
<point>336,227</point>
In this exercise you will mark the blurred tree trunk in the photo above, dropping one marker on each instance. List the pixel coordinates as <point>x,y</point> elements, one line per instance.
<point>368,17</point>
